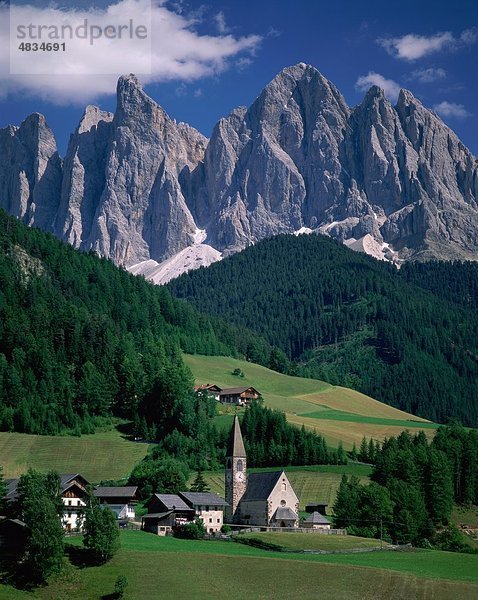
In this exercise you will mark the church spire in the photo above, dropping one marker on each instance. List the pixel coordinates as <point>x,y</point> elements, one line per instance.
<point>235,445</point>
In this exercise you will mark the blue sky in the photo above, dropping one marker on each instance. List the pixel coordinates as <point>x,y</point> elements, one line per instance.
<point>428,47</point>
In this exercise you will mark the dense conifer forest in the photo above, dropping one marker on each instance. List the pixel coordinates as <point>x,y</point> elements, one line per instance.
<point>408,338</point>
<point>81,339</point>
<point>414,485</point>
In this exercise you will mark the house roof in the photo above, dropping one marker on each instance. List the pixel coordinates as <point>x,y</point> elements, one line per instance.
<point>260,485</point>
<point>124,491</point>
<point>9,522</point>
<point>237,390</point>
<point>66,481</point>
<point>170,501</point>
<point>11,485</point>
<point>285,513</point>
<point>207,498</point>
<point>235,444</point>
<point>67,478</point>
<point>161,515</point>
<point>317,519</point>
<point>208,386</point>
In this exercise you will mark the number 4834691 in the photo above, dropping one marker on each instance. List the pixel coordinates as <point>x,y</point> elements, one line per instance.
<point>43,47</point>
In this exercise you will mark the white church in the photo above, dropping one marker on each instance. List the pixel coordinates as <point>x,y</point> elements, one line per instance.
<point>262,499</point>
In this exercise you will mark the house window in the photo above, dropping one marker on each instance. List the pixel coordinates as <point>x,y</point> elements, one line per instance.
<point>69,502</point>
<point>239,465</point>
<point>219,520</point>
<point>210,520</point>
<point>69,515</point>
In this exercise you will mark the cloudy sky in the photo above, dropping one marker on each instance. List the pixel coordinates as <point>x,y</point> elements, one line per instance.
<point>208,57</point>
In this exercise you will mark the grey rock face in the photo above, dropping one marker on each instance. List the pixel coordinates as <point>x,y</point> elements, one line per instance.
<point>136,185</point>
<point>136,205</point>
<point>299,157</point>
<point>30,172</point>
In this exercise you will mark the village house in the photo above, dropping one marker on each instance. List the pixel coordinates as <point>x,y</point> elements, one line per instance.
<point>13,538</point>
<point>166,511</point>
<point>260,499</point>
<point>208,507</point>
<point>212,390</point>
<point>121,500</point>
<point>239,396</point>
<point>73,492</point>
<point>316,521</point>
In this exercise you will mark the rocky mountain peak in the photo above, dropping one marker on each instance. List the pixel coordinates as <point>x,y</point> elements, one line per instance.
<point>137,186</point>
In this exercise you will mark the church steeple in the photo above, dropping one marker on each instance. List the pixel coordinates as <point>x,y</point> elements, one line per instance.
<point>236,477</point>
<point>235,445</point>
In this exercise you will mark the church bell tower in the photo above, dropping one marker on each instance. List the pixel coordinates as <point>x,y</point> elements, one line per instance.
<point>236,477</point>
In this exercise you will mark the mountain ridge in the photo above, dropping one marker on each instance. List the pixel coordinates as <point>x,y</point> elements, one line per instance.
<point>135,185</point>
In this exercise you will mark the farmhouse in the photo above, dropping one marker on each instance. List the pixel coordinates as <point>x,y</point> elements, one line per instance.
<point>73,491</point>
<point>212,390</point>
<point>263,499</point>
<point>240,396</point>
<point>208,507</point>
<point>166,511</point>
<point>121,500</point>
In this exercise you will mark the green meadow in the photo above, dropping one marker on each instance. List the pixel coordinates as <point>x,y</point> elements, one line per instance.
<point>338,413</point>
<point>104,455</point>
<point>164,568</point>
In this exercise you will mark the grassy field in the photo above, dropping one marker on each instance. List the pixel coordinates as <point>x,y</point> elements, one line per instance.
<point>312,484</point>
<point>315,541</point>
<point>104,455</point>
<point>162,568</point>
<point>337,413</point>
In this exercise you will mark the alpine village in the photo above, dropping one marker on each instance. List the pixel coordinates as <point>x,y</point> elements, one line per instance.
<point>243,366</point>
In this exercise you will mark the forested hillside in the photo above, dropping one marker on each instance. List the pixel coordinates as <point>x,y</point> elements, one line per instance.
<point>81,339</point>
<point>351,320</point>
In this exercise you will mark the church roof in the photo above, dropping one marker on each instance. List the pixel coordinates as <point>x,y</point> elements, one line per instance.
<point>317,519</point>
<point>284,514</point>
<point>235,445</point>
<point>260,485</point>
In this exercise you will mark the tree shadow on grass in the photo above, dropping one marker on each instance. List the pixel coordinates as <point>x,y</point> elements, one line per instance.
<point>80,557</point>
<point>16,574</point>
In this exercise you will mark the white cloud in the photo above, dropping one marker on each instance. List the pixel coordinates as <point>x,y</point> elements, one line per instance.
<point>221,23</point>
<point>428,75</point>
<point>178,53</point>
<point>413,46</point>
<point>451,109</point>
<point>390,87</point>
<point>198,93</point>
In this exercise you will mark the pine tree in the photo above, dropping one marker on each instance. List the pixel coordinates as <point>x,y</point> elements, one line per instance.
<point>199,484</point>
<point>353,453</point>
<point>363,452</point>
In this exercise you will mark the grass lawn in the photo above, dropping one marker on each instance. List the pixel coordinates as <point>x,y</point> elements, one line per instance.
<point>164,568</point>
<point>315,541</point>
<point>104,455</point>
<point>338,413</point>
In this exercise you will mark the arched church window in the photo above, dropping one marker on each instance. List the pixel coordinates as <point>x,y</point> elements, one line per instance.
<point>284,486</point>
<point>239,465</point>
